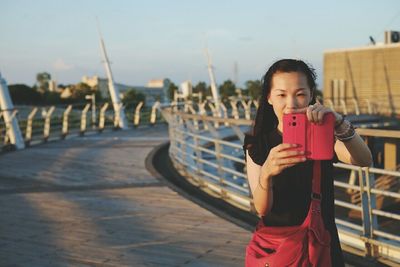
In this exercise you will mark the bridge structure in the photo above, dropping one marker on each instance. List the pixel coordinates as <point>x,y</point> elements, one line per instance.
<point>95,199</point>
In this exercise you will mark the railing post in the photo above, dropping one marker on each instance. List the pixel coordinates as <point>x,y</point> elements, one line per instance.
<point>247,109</point>
<point>195,122</point>
<point>47,122</point>
<point>235,112</point>
<point>136,119</point>
<point>372,249</point>
<point>102,119</point>
<point>344,107</point>
<point>29,125</point>
<point>66,113</point>
<point>153,115</point>
<point>357,108</point>
<point>117,116</point>
<point>256,104</point>
<point>214,112</point>
<point>202,111</point>
<point>366,210</point>
<point>225,111</point>
<point>218,151</point>
<point>9,126</point>
<point>84,119</point>
<point>192,128</point>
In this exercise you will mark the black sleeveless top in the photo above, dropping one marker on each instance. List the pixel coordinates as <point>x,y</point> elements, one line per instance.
<point>292,195</point>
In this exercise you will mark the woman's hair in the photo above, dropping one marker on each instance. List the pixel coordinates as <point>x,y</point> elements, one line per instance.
<point>266,120</point>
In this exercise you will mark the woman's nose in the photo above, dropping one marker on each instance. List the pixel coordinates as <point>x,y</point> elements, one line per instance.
<point>291,102</point>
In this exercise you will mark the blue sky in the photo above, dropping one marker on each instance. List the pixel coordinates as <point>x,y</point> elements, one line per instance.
<point>165,39</point>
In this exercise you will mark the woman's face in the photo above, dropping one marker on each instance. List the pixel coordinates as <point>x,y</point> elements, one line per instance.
<point>289,91</point>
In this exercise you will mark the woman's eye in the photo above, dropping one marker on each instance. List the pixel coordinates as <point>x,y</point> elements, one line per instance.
<point>301,95</point>
<point>281,95</point>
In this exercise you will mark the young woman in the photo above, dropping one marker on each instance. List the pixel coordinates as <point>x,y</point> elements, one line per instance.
<point>280,177</point>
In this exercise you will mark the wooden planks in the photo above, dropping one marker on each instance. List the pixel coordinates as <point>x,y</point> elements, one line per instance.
<point>91,202</point>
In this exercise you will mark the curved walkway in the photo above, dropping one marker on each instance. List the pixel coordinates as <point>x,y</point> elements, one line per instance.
<point>90,201</point>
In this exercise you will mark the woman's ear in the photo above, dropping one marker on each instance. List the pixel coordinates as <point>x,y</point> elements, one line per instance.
<point>269,99</point>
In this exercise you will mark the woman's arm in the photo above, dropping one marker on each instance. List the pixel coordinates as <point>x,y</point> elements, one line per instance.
<point>262,197</point>
<point>260,177</point>
<point>353,151</point>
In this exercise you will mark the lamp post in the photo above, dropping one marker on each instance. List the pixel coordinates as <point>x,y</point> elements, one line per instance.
<point>93,98</point>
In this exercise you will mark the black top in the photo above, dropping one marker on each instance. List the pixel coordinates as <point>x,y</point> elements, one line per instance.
<point>292,195</point>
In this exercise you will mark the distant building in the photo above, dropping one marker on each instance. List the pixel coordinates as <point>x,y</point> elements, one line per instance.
<point>53,86</point>
<point>185,89</point>
<point>66,93</point>
<point>155,90</point>
<point>368,77</point>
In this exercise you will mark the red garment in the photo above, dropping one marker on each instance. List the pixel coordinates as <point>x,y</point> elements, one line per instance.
<point>305,245</point>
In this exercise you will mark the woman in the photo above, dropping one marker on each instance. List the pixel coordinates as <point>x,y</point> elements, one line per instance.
<point>279,176</point>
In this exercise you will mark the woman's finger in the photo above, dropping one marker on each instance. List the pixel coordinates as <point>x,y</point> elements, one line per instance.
<point>289,153</point>
<point>291,160</point>
<point>284,146</point>
<point>321,115</point>
<point>316,113</point>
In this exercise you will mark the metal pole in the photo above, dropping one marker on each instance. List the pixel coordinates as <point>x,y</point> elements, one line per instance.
<point>113,89</point>
<point>7,108</point>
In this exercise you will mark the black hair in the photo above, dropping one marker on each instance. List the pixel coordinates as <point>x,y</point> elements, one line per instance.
<point>266,120</point>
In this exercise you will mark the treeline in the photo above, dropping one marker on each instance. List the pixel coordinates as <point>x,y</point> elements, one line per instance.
<point>251,89</point>
<point>22,94</point>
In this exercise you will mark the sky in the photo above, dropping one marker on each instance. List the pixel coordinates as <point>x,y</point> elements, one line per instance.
<point>157,39</point>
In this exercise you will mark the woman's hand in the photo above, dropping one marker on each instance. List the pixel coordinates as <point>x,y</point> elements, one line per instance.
<point>281,157</point>
<point>315,113</point>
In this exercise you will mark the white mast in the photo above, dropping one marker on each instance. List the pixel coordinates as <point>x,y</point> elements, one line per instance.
<point>214,89</point>
<point>11,122</point>
<point>113,90</point>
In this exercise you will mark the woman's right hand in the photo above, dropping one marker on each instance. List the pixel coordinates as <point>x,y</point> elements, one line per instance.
<point>281,157</point>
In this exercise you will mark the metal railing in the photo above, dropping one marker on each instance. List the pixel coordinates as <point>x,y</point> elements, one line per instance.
<point>208,152</point>
<point>41,124</point>
<point>378,105</point>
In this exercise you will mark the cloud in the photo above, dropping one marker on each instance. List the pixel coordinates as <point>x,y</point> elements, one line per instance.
<point>60,65</point>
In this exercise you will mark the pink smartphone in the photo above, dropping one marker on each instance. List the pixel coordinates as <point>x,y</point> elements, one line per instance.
<point>316,140</point>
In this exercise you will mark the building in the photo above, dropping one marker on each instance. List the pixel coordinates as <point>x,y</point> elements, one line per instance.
<point>154,90</point>
<point>367,77</point>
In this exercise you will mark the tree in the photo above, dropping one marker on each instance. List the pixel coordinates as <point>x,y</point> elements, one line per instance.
<point>201,87</point>
<point>253,89</point>
<point>80,91</point>
<point>227,89</point>
<point>132,98</point>
<point>172,88</point>
<point>51,98</point>
<point>22,94</point>
<point>43,79</point>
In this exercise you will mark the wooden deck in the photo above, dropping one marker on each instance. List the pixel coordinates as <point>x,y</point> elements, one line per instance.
<point>90,201</point>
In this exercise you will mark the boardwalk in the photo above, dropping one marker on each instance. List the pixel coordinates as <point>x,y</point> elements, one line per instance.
<point>91,202</point>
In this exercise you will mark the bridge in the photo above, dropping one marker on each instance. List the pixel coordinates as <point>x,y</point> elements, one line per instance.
<point>101,199</point>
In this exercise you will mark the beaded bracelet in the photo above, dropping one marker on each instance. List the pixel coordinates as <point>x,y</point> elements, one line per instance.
<point>347,134</point>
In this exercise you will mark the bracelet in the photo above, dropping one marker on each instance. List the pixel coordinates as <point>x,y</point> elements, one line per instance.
<point>347,134</point>
<point>265,189</point>
<point>337,125</point>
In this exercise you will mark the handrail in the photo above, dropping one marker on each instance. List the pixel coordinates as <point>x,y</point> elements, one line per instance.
<point>207,156</point>
<point>59,122</point>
